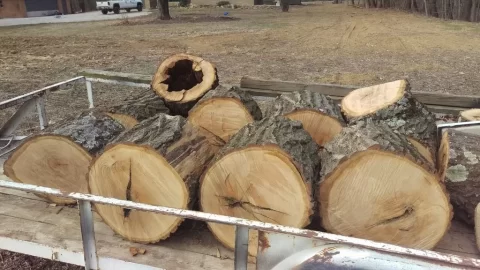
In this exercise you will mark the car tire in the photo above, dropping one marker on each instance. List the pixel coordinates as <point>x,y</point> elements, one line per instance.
<point>139,7</point>
<point>104,12</point>
<point>127,9</point>
<point>116,10</point>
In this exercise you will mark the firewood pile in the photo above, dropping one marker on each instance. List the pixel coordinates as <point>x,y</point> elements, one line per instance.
<point>370,167</point>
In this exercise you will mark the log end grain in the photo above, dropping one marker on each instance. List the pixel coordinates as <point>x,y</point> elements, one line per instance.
<point>470,115</point>
<point>51,161</point>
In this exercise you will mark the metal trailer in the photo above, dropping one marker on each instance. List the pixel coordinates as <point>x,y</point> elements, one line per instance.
<point>279,247</point>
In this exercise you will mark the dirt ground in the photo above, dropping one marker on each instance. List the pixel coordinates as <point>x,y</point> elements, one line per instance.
<point>312,43</point>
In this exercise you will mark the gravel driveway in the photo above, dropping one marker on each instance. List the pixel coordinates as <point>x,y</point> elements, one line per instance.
<point>80,17</point>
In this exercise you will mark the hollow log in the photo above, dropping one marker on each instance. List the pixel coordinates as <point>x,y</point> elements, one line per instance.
<point>470,115</point>
<point>60,155</point>
<point>157,162</point>
<point>375,185</point>
<point>393,104</point>
<point>320,116</point>
<point>265,172</point>
<point>459,168</point>
<point>182,79</point>
<point>223,111</point>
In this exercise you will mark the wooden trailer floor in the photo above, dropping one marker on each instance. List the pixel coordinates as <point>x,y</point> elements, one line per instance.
<point>30,225</point>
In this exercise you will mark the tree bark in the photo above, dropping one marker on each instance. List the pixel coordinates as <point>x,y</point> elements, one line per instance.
<point>265,172</point>
<point>159,162</point>
<point>319,115</point>
<point>459,157</point>
<point>182,79</point>
<point>285,4</point>
<point>60,155</point>
<point>393,104</point>
<point>223,111</point>
<point>375,185</point>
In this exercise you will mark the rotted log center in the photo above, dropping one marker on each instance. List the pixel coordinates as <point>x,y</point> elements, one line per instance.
<point>184,75</point>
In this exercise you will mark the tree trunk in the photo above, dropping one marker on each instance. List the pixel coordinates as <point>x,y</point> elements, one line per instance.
<point>163,10</point>
<point>459,157</point>
<point>181,80</point>
<point>266,173</point>
<point>223,111</point>
<point>285,4</point>
<point>60,155</point>
<point>375,185</point>
<point>470,115</point>
<point>158,162</point>
<point>319,115</point>
<point>392,103</point>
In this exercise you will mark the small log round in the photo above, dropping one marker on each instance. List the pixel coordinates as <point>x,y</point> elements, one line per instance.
<point>320,116</point>
<point>459,168</point>
<point>157,162</point>
<point>393,104</point>
<point>375,185</point>
<point>182,79</point>
<point>265,172</point>
<point>470,115</point>
<point>223,111</point>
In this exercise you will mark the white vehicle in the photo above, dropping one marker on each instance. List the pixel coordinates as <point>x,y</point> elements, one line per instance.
<point>116,6</point>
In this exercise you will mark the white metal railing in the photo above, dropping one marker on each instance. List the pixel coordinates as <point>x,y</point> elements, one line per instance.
<point>243,226</point>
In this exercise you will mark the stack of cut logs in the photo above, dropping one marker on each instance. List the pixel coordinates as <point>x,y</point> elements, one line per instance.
<point>369,168</point>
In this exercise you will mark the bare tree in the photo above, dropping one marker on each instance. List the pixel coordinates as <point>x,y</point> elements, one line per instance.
<point>164,12</point>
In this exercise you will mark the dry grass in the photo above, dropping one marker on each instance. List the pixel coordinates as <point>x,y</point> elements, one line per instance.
<point>315,43</point>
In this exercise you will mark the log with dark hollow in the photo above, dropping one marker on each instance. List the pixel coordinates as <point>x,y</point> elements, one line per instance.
<point>59,157</point>
<point>157,162</point>
<point>375,185</point>
<point>392,103</point>
<point>320,116</point>
<point>459,168</point>
<point>265,172</point>
<point>182,79</point>
<point>223,111</point>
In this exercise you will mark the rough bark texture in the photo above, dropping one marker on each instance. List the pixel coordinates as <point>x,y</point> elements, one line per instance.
<point>179,143</point>
<point>288,103</point>
<point>92,130</point>
<point>286,134</point>
<point>236,93</point>
<point>462,172</point>
<point>140,106</point>
<point>407,116</point>
<point>367,135</point>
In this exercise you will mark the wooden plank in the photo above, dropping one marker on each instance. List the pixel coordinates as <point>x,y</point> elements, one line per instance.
<point>117,76</point>
<point>191,247</point>
<point>272,94</point>
<point>341,91</point>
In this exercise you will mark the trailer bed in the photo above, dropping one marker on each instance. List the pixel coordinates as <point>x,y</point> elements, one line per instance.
<point>33,226</point>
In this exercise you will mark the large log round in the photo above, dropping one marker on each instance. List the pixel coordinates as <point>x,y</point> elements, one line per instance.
<point>182,79</point>
<point>393,104</point>
<point>265,172</point>
<point>375,185</point>
<point>158,162</point>
<point>459,168</point>
<point>223,111</point>
<point>59,157</point>
<point>320,116</point>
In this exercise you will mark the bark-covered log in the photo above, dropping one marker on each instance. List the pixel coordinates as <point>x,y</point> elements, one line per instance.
<point>459,168</point>
<point>182,79</point>
<point>60,155</point>
<point>470,115</point>
<point>265,172</point>
<point>393,104</point>
<point>223,111</point>
<point>158,162</point>
<point>319,115</point>
<point>375,185</point>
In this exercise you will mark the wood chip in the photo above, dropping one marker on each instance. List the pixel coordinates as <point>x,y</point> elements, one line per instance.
<point>142,251</point>
<point>133,251</point>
